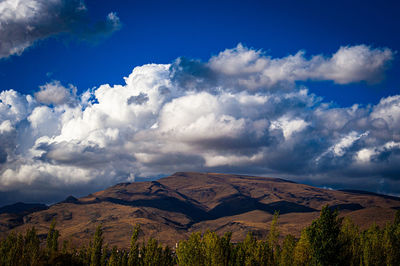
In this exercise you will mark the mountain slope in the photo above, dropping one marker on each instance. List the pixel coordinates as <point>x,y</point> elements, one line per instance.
<point>171,208</point>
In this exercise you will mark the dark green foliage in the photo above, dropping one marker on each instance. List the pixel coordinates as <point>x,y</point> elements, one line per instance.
<point>124,258</point>
<point>190,252</point>
<point>327,241</point>
<point>391,241</point>
<point>209,249</point>
<point>351,241</point>
<point>273,241</point>
<point>52,238</point>
<point>21,250</point>
<point>61,259</point>
<point>263,254</point>
<point>168,257</point>
<point>134,248</point>
<point>31,253</point>
<point>151,253</point>
<point>114,259</point>
<point>372,246</point>
<point>11,249</point>
<point>323,235</point>
<point>104,255</point>
<point>84,255</point>
<point>96,249</point>
<point>226,248</point>
<point>253,252</point>
<point>287,252</point>
<point>303,253</point>
<point>397,218</point>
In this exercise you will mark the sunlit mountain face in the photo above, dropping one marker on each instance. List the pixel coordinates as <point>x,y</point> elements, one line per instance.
<point>172,208</point>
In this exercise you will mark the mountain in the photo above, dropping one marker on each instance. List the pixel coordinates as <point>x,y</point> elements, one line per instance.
<point>171,208</point>
<point>12,215</point>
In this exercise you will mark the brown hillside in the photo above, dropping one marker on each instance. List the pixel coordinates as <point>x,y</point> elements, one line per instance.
<point>171,208</point>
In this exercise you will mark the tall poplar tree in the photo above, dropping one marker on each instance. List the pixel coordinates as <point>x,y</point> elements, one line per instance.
<point>97,245</point>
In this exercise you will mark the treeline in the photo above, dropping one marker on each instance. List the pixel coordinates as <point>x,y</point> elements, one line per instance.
<point>329,240</point>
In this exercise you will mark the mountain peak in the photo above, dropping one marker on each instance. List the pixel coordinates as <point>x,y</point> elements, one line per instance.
<point>70,199</point>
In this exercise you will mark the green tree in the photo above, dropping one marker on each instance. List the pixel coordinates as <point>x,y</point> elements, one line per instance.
<point>96,249</point>
<point>152,253</point>
<point>168,258</point>
<point>133,258</point>
<point>249,250</point>
<point>104,255</point>
<point>287,253</point>
<point>84,254</point>
<point>263,254</point>
<point>273,239</point>
<point>372,246</point>
<point>397,218</point>
<point>351,241</point>
<point>124,258</point>
<point>238,255</point>
<point>391,241</point>
<point>323,235</point>
<point>114,257</point>
<point>303,253</point>
<point>190,252</point>
<point>11,249</point>
<point>214,249</point>
<point>252,252</point>
<point>52,238</point>
<point>226,248</point>
<point>31,251</point>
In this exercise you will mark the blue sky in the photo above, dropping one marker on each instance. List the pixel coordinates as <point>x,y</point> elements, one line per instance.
<point>98,92</point>
<point>161,31</point>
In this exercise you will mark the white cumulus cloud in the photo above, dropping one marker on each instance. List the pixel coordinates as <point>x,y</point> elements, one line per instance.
<point>252,69</point>
<point>239,112</point>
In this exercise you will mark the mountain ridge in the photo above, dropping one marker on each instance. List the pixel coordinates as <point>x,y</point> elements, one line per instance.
<point>172,207</point>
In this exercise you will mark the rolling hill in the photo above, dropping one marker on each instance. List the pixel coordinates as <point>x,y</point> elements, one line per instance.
<point>170,208</point>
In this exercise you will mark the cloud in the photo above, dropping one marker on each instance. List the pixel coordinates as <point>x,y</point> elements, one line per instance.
<point>140,99</point>
<point>354,64</point>
<point>239,112</point>
<point>340,148</point>
<point>56,94</point>
<point>247,68</point>
<point>24,22</point>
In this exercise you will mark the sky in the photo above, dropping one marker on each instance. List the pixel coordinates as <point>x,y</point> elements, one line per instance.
<point>93,93</point>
